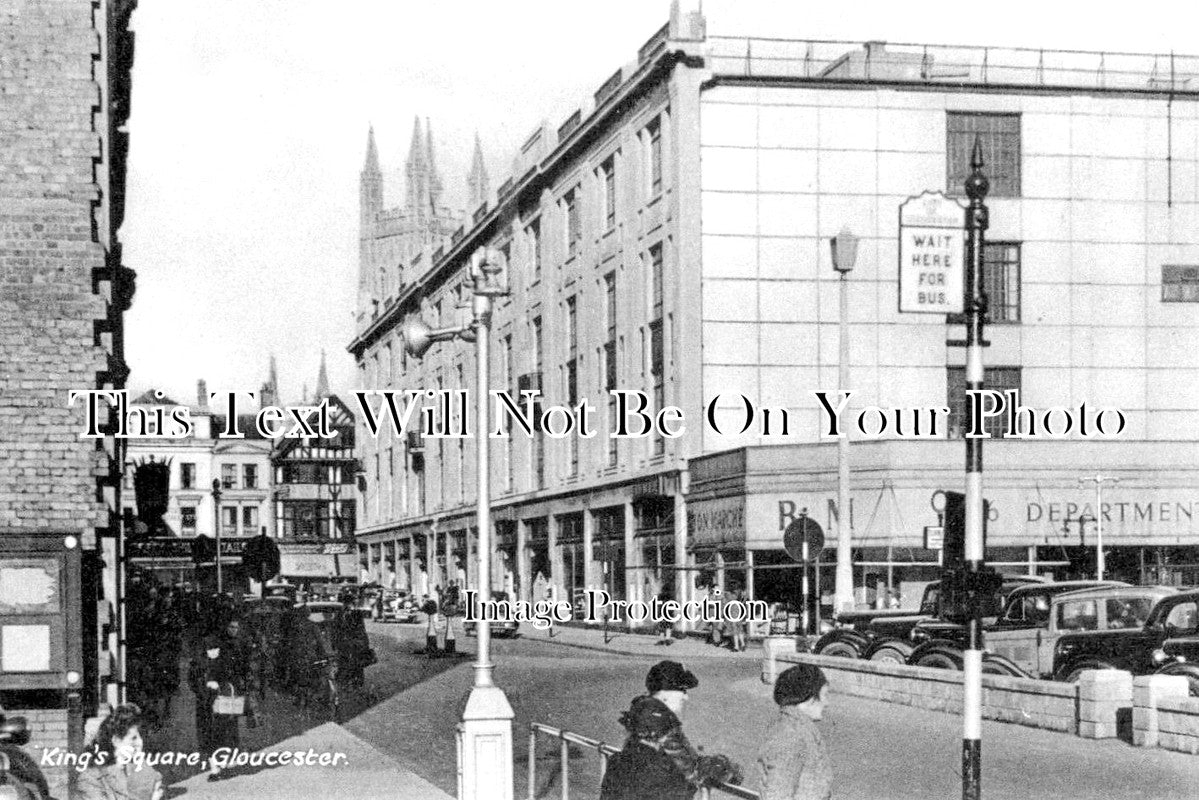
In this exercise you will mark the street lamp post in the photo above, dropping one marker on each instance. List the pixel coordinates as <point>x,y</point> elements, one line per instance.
<point>1098,480</point>
<point>216,519</point>
<point>845,255</point>
<point>485,733</point>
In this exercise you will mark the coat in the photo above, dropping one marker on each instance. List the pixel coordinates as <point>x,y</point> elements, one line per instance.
<point>793,763</point>
<point>117,782</point>
<point>642,772</point>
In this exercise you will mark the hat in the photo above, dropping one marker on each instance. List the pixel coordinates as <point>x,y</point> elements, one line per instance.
<point>648,717</point>
<point>799,683</point>
<point>669,676</point>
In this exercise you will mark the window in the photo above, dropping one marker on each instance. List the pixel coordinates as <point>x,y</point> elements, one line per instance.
<point>999,135</point>
<point>572,374</point>
<point>657,368</point>
<point>1180,284</point>
<point>508,380</point>
<point>386,377</point>
<point>534,234</point>
<point>607,175</point>
<point>1001,282</point>
<point>998,378</point>
<point>229,520</point>
<point>187,476</point>
<point>570,211</point>
<point>609,361</point>
<point>538,438</point>
<point>187,516</point>
<point>249,476</point>
<point>249,520</point>
<point>653,149</point>
<point>228,476</point>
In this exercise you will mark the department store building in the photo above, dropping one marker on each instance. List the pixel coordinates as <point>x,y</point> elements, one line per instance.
<point>671,236</point>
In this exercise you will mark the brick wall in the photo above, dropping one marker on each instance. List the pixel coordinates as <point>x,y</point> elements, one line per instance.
<point>48,249</point>
<point>47,730</point>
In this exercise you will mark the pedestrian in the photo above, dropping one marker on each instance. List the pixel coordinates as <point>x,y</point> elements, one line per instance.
<point>231,673</point>
<point>114,772</point>
<point>668,682</point>
<point>643,770</point>
<point>665,626</point>
<point>737,627</point>
<point>793,763</point>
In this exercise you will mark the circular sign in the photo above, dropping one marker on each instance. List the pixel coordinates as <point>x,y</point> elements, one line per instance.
<point>804,530</point>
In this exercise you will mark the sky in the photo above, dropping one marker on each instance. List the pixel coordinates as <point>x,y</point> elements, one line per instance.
<point>250,117</point>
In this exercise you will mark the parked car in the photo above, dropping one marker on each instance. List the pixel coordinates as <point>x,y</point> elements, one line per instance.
<point>508,629</point>
<point>939,643</point>
<point>1167,644</point>
<point>885,635</point>
<point>400,606</point>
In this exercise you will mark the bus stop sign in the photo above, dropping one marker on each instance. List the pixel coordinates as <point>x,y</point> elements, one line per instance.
<point>804,534</point>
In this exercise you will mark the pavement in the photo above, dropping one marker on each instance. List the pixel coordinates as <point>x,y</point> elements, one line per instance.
<point>636,644</point>
<point>363,774</point>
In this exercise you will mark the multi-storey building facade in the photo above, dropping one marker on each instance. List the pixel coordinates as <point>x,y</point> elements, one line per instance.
<point>211,481</point>
<point>673,239</point>
<point>315,499</point>
<point>65,79</point>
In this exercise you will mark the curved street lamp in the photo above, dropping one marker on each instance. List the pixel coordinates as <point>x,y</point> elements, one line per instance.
<point>485,734</point>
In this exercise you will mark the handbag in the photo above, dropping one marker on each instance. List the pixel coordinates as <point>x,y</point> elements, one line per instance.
<point>230,705</point>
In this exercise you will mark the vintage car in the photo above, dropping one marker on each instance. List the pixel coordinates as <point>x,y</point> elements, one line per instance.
<point>884,635</point>
<point>508,629</point>
<point>1167,643</point>
<point>939,643</point>
<point>399,606</point>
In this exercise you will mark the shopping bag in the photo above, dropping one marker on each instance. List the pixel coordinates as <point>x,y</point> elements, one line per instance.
<point>229,705</point>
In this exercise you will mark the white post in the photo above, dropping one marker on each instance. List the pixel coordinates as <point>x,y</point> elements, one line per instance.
<point>1098,479</point>
<point>485,733</point>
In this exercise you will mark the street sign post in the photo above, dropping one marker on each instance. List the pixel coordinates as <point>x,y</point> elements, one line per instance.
<point>802,540</point>
<point>932,249</point>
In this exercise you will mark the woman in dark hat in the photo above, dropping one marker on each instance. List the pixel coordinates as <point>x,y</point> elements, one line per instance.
<point>793,762</point>
<point>658,761</point>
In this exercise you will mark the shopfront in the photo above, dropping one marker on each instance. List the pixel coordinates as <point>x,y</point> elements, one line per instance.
<point>1042,520</point>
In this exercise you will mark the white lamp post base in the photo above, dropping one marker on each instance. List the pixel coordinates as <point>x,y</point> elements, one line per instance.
<point>485,746</point>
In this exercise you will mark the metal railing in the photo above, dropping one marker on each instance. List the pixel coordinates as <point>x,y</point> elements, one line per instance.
<point>567,738</point>
<point>953,65</point>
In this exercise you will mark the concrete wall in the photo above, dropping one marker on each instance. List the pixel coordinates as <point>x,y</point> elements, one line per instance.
<point>1036,704</point>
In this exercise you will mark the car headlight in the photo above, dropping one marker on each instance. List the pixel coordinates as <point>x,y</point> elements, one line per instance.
<point>1159,656</point>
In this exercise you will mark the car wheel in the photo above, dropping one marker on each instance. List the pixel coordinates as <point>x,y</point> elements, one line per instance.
<point>938,661</point>
<point>890,654</point>
<point>838,650</point>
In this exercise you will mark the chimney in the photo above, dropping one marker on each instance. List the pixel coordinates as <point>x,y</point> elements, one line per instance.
<point>202,394</point>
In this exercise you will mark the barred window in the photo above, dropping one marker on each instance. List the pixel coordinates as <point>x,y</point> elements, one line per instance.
<point>1001,282</point>
<point>1180,284</point>
<point>999,135</point>
<point>999,379</point>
